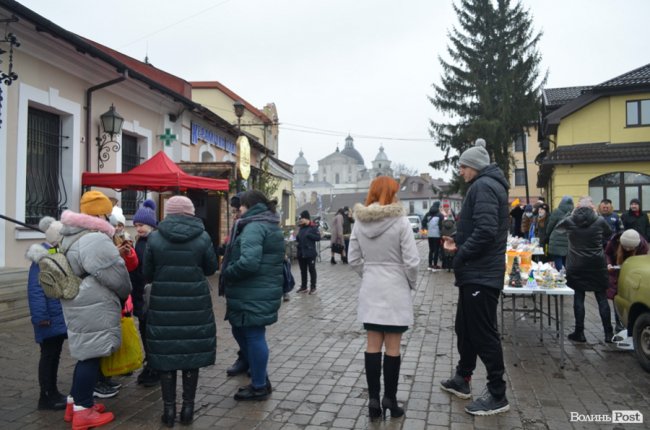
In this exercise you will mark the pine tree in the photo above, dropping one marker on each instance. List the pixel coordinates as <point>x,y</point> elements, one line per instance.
<point>491,87</point>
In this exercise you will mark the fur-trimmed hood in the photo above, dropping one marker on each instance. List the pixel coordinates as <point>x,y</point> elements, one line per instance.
<point>74,223</point>
<point>376,218</point>
<point>36,252</point>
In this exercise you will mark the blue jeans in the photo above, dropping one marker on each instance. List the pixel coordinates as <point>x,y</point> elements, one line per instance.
<point>83,382</point>
<point>559,262</point>
<point>255,351</point>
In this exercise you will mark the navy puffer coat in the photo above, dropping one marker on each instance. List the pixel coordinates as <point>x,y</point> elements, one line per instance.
<point>307,237</point>
<point>482,231</point>
<point>181,331</point>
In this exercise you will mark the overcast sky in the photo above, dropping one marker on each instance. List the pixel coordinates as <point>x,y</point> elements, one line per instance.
<point>334,67</point>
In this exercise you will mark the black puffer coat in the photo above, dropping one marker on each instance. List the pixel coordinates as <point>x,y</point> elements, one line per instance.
<point>181,332</point>
<point>586,268</point>
<point>306,239</point>
<point>482,231</point>
<point>639,222</point>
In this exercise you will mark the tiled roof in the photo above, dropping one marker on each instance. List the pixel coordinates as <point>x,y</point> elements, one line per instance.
<point>592,153</point>
<point>331,203</point>
<point>168,80</point>
<point>636,77</point>
<point>603,152</point>
<point>556,97</point>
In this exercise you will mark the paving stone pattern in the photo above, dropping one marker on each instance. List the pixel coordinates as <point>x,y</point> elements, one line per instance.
<point>316,367</point>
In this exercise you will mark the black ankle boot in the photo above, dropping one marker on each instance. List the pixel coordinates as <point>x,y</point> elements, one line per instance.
<point>333,261</point>
<point>168,388</point>
<point>190,380</point>
<point>373,377</point>
<point>391,377</point>
<point>52,400</point>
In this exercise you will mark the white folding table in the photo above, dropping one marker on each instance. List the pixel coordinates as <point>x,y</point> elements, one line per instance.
<point>538,310</point>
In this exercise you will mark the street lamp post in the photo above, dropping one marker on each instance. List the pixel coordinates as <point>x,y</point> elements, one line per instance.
<point>239,112</point>
<point>524,145</point>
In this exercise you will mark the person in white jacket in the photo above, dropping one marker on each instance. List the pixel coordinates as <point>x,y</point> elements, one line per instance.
<point>383,251</point>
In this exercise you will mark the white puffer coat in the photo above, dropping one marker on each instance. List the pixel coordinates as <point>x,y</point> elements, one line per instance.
<point>93,316</point>
<point>383,251</point>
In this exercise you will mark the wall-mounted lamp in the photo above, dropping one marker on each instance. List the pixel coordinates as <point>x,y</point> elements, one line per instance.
<point>112,125</point>
<point>239,108</point>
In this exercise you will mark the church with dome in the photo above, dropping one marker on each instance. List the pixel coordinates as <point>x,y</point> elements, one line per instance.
<point>341,172</point>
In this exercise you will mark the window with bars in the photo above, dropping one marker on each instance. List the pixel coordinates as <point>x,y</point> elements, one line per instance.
<point>45,194</point>
<point>131,199</point>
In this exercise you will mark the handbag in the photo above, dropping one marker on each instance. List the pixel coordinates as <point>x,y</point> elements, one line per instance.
<point>128,356</point>
<point>289,281</point>
<point>337,248</point>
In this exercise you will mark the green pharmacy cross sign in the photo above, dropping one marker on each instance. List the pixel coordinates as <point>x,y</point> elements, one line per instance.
<point>168,137</point>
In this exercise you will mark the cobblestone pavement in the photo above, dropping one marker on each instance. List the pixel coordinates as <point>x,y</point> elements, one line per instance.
<point>316,368</point>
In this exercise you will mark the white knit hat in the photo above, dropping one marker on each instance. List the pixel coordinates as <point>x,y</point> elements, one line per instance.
<point>52,229</point>
<point>630,239</point>
<point>117,216</point>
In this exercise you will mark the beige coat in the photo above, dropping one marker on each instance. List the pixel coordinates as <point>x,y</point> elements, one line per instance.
<point>383,251</point>
<point>337,230</point>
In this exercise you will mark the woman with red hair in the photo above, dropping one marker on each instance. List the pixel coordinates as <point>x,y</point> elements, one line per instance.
<point>383,251</point>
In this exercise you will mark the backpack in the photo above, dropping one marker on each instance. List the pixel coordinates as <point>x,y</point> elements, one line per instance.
<point>289,281</point>
<point>57,278</point>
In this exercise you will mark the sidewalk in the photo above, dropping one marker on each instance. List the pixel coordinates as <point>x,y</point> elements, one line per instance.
<point>316,367</point>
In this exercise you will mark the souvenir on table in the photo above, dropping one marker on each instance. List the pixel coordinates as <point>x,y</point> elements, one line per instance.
<point>515,275</point>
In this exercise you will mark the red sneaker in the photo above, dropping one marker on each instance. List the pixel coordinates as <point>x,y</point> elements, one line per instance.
<point>69,411</point>
<point>83,420</point>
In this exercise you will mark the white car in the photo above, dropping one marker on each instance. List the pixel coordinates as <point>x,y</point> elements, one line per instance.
<point>416,222</point>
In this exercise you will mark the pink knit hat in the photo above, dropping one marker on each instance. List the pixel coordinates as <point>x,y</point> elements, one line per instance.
<point>179,205</point>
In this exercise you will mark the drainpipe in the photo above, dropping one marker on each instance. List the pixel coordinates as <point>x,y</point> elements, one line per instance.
<point>89,108</point>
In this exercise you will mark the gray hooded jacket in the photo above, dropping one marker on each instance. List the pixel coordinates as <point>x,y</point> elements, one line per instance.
<point>93,316</point>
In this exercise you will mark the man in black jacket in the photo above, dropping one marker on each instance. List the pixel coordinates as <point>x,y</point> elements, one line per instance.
<point>480,245</point>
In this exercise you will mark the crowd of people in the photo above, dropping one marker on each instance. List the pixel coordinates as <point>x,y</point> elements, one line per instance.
<point>160,277</point>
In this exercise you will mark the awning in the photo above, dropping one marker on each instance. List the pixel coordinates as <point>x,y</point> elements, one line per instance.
<point>158,174</point>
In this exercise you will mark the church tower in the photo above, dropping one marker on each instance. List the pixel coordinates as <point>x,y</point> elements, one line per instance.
<point>301,170</point>
<point>381,165</point>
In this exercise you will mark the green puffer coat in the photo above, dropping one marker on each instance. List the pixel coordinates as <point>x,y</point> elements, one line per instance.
<point>181,331</point>
<point>254,276</point>
<point>558,241</point>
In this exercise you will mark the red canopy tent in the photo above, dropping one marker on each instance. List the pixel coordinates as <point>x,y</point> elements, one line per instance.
<point>158,174</point>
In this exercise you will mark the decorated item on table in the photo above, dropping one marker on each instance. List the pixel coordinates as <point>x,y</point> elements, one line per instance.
<point>515,275</point>
<point>531,282</point>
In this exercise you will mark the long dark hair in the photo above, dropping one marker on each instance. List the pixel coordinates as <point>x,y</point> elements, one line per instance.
<point>253,197</point>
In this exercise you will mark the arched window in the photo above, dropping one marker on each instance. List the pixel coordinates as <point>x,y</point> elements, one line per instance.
<point>620,188</point>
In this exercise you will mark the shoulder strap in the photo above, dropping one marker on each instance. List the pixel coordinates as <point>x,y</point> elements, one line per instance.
<point>79,236</point>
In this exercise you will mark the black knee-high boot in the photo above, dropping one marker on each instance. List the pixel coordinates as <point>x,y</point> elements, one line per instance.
<point>373,377</point>
<point>190,380</point>
<point>391,376</point>
<point>168,388</point>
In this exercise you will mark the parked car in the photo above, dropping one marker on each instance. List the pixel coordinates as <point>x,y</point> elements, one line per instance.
<point>633,304</point>
<point>416,222</point>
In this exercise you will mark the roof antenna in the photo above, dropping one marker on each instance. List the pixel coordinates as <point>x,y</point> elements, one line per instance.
<point>146,55</point>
